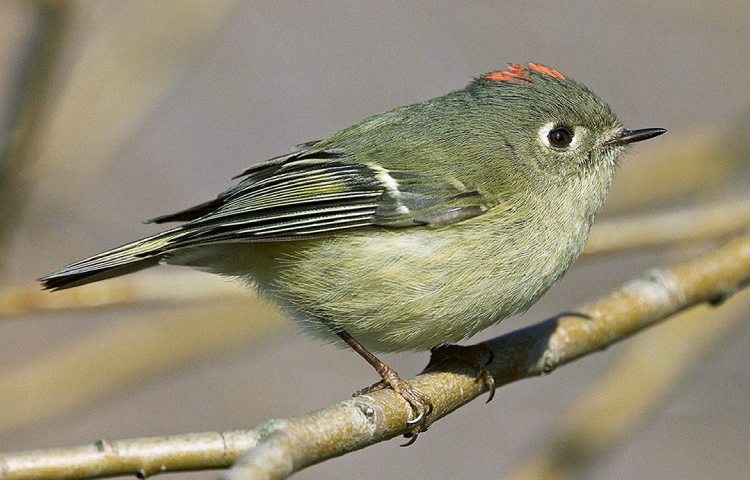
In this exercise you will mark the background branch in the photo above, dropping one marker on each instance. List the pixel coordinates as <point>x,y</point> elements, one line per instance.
<point>631,390</point>
<point>154,286</point>
<point>690,224</point>
<point>693,164</point>
<point>286,446</point>
<point>17,155</point>
<point>113,358</point>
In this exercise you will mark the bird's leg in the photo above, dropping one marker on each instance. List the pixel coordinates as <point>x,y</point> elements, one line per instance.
<point>420,403</point>
<point>478,356</point>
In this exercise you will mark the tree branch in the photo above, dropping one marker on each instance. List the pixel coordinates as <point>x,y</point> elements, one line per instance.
<point>692,224</point>
<point>111,359</point>
<point>139,456</point>
<point>286,446</point>
<point>651,368</point>
<point>185,286</point>
<point>16,156</point>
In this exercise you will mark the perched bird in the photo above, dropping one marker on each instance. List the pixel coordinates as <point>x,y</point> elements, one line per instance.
<point>411,229</point>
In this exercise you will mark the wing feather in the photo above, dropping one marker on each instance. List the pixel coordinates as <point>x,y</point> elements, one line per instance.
<point>307,194</point>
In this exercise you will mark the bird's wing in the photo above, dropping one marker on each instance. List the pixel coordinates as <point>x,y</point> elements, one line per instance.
<point>307,194</point>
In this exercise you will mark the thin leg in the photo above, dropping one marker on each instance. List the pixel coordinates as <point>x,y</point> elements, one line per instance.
<point>420,403</point>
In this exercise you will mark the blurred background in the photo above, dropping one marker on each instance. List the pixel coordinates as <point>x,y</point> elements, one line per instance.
<point>115,112</point>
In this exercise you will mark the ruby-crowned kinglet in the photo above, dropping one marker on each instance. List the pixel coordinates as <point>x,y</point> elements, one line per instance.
<point>414,228</point>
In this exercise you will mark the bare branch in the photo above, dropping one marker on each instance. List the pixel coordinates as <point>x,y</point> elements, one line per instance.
<point>154,286</point>
<point>287,446</point>
<point>16,157</point>
<point>140,456</point>
<point>650,369</point>
<point>687,225</point>
<point>63,378</point>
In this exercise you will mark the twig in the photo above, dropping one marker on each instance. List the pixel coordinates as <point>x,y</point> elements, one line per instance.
<point>110,359</point>
<point>119,75</point>
<point>697,223</point>
<point>16,179</point>
<point>140,456</point>
<point>287,446</point>
<point>649,370</point>
<point>186,286</point>
<point>683,166</point>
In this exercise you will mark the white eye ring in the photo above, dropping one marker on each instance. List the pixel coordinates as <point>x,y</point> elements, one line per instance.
<point>544,137</point>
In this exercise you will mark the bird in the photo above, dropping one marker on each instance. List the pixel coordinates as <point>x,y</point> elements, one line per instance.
<point>412,229</point>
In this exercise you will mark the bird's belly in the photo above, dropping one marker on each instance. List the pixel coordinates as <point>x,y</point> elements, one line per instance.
<point>403,290</point>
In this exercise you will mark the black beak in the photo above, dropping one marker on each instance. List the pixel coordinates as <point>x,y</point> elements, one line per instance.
<point>632,136</point>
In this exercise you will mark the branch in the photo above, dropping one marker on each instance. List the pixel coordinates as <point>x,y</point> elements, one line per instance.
<point>117,78</point>
<point>698,223</point>
<point>140,456</point>
<point>287,446</point>
<point>290,446</point>
<point>184,286</point>
<point>602,416</point>
<point>704,160</point>
<point>16,157</point>
<point>111,359</point>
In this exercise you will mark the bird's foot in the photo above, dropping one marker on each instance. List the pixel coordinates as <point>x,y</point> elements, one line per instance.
<point>478,356</point>
<point>582,315</point>
<point>421,404</point>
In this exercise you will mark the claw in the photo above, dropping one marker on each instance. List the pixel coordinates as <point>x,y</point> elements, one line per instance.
<point>489,380</point>
<point>372,388</point>
<point>412,438</point>
<point>414,421</point>
<point>584,316</point>
<point>471,355</point>
<point>420,403</point>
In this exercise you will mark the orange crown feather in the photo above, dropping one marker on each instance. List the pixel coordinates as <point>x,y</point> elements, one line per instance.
<point>517,73</point>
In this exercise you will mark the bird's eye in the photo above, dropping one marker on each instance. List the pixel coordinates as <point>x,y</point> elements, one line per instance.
<point>560,137</point>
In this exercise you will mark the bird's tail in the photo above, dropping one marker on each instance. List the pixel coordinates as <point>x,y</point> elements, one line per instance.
<point>128,258</point>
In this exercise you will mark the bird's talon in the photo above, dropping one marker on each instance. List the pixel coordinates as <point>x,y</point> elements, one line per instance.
<point>417,420</point>
<point>412,438</point>
<point>489,380</point>
<point>574,314</point>
<point>420,403</point>
<point>472,355</point>
<point>372,388</point>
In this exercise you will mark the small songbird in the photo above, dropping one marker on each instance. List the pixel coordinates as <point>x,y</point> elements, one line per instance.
<point>411,229</point>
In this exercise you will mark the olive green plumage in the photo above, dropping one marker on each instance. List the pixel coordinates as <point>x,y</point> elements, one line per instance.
<point>413,228</point>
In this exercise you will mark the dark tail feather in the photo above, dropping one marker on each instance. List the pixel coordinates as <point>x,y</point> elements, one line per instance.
<point>61,281</point>
<point>113,263</point>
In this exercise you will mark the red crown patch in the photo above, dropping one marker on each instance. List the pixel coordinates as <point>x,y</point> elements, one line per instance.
<point>519,73</point>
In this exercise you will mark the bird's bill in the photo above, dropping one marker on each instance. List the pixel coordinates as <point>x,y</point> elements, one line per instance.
<point>631,136</point>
